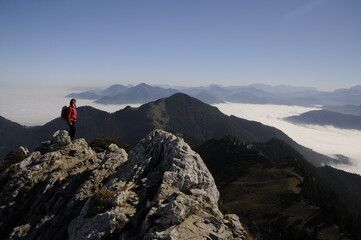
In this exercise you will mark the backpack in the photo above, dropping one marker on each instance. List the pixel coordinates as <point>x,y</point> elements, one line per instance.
<point>64,113</point>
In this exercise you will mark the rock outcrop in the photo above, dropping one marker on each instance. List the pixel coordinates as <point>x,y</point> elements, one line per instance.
<point>162,190</point>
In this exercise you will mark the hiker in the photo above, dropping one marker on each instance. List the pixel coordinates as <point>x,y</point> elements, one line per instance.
<point>71,118</point>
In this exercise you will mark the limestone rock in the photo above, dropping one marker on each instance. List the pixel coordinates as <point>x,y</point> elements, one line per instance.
<point>162,190</point>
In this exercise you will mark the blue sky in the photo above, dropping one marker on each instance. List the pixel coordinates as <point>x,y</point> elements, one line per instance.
<point>185,42</point>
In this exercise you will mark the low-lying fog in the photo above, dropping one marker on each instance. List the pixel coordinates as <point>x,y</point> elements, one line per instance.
<point>27,108</point>
<point>33,107</point>
<point>324,139</point>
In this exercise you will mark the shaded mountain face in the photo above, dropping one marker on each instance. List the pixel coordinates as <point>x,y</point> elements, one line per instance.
<point>162,190</point>
<point>8,130</point>
<point>323,117</point>
<point>17,135</point>
<point>114,90</point>
<point>179,114</point>
<point>278,195</point>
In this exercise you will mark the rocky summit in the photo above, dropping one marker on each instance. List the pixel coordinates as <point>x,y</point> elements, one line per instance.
<point>161,190</point>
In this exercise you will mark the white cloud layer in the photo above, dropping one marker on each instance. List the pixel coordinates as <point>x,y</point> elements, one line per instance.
<point>327,140</point>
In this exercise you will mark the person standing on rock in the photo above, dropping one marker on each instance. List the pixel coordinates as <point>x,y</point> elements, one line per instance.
<point>71,118</point>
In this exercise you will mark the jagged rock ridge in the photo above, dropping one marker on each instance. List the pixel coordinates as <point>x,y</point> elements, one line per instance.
<point>163,190</point>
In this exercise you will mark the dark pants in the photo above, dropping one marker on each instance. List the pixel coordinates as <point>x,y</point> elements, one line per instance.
<point>72,130</point>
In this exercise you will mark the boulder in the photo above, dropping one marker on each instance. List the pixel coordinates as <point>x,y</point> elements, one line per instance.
<point>162,190</point>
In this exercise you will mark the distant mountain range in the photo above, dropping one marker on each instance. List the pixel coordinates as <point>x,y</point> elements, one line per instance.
<point>253,94</point>
<point>179,114</point>
<point>119,94</point>
<point>323,117</point>
<point>142,93</point>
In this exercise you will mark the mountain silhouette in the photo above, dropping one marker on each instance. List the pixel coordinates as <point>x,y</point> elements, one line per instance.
<point>323,117</point>
<point>179,114</point>
<point>253,94</point>
<point>141,93</point>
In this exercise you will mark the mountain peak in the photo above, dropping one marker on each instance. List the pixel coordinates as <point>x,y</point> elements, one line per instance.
<point>163,190</point>
<point>184,99</point>
<point>143,85</point>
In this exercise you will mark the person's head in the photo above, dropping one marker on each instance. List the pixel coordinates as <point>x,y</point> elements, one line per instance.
<point>73,102</point>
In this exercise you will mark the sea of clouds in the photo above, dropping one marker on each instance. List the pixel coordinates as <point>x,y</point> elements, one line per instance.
<point>327,140</point>
<point>31,107</point>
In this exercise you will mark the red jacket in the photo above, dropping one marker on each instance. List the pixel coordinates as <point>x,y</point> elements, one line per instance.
<point>72,114</point>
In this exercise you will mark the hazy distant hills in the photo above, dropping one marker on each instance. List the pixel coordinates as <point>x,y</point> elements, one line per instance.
<point>253,94</point>
<point>141,93</point>
<point>97,94</point>
<point>119,94</point>
<point>246,97</point>
<point>207,97</point>
<point>180,114</point>
<point>323,117</point>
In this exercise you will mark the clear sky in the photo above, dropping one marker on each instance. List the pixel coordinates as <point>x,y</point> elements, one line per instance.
<point>180,42</point>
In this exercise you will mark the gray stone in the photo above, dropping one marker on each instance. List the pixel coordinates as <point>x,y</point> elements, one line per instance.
<point>162,190</point>
<point>61,138</point>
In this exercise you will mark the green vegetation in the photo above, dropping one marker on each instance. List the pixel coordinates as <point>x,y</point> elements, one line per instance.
<point>158,114</point>
<point>101,144</point>
<point>321,191</point>
<point>100,202</point>
<point>276,193</point>
<point>10,159</point>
